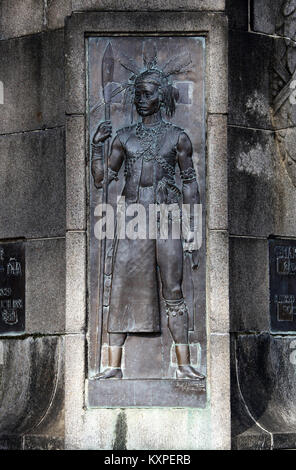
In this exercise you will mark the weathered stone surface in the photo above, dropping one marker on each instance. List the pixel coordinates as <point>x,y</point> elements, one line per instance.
<point>254,439</point>
<point>238,14</point>
<point>219,380</point>
<point>20,17</point>
<point>45,293</point>
<point>55,12</point>
<point>76,173</point>
<point>75,281</point>
<point>32,193</point>
<point>138,429</point>
<point>265,387</point>
<point>151,5</point>
<point>43,443</point>
<point>261,195</point>
<point>249,297</point>
<point>33,78</point>
<point>29,383</point>
<point>265,15</point>
<point>217,294</point>
<point>249,92</point>
<point>11,443</point>
<point>217,173</point>
<point>74,392</point>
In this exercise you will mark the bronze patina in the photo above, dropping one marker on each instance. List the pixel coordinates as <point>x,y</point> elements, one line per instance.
<point>151,155</point>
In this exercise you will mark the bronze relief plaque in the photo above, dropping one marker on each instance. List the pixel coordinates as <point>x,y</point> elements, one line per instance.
<point>147,255</point>
<point>12,288</point>
<point>282,280</point>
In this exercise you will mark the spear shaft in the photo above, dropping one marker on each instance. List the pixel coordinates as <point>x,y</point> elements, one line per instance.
<point>107,82</point>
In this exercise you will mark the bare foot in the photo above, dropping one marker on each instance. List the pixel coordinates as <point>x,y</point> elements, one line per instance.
<point>188,372</point>
<point>110,373</point>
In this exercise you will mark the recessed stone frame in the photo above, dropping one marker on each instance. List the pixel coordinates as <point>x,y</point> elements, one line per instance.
<point>213,26</point>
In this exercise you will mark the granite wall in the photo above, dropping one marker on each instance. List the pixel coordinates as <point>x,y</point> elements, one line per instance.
<point>32,210</point>
<point>35,204</point>
<point>262,197</point>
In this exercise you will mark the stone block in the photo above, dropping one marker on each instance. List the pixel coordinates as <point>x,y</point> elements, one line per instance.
<point>138,429</point>
<point>76,173</point>
<point>43,443</point>
<point>45,292</point>
<point>152,5</point>
<point>74,392</point>
<point>20,17</point>
<point>249,92</point>
<point>219,379</point>
<point>238,14</point>
<point>75,281</point>
<point>217,294</point>
<point>32,193</point>
<point>217,173</point>
<point>29,384</point>
<point>261,192</point>
<point>55,13</point>
<point>266,15</point>
<point>265,375</point>
<point>249,281</point>
<point>32,72</point>
<point>11,443</point>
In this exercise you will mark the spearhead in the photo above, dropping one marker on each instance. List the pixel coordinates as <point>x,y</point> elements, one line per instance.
<point>107,73</point>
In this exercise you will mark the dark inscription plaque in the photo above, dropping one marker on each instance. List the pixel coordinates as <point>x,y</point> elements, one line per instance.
<point>147,302</point>
<point>12,288</point>
<point>283,284</point>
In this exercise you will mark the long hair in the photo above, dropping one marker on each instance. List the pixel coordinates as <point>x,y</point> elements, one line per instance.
<point>169,94</point>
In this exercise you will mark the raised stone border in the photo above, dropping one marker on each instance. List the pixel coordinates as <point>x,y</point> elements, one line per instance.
<point>212,424</point>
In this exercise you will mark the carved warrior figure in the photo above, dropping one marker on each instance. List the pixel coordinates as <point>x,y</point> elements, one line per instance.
<point>150,151</point>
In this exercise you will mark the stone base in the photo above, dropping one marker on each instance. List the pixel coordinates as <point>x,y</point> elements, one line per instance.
<point>164,393</point>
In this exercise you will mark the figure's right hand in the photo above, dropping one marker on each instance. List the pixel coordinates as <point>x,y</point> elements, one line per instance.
<point>103,133</point>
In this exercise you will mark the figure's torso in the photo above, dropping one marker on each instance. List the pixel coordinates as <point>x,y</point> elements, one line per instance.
<point>150,156</point>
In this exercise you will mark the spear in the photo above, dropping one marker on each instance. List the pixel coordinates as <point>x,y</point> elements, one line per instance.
<point>107,84</point>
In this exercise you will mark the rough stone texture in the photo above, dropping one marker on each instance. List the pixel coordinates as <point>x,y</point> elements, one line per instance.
<point>249,92</point>
<point>33,77</point>
<point>75,281</point>
<point>265,14</point>
<point>253,439</point>
<point>194,22</point>
<point>74,392</point>
<point>148,5</point>
<point>137,429</point>
<point>55,13</point>
<point>43,443</point>
<point>217,173</point>
<point>31,367</point>
<point>76,173</point>
<point>11,443</point>
<point>219,376</point>
<point>20,17</point>
<point>217,285</point>
<point>249,281</point>
<point>261,194</point>
<point>32,193</point>
<point>264,387</point>
<point>45,292</point>
<point>238,15</point>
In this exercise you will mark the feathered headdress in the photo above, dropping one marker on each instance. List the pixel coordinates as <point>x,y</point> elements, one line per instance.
<point>151,71</point>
